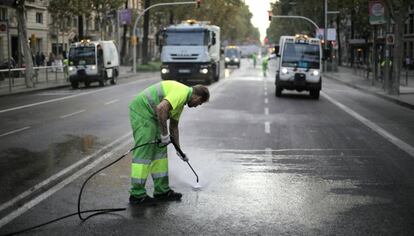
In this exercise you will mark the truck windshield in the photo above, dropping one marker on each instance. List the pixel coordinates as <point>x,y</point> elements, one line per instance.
<point>82,56</point>
<point>233,52</point>
<point>301,56</point>
<point>185,38</point>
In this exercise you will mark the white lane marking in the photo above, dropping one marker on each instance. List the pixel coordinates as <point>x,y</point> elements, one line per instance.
<point>266,100</point>
<point>266,111</point>
<point>265,88</point>
<point>265,93</point>
<point>268,155</point>
<point>267,127</point>
<point>248,151</point>
<point>113,101</point>
<point>72,114</point>
<point>393,139</point>
<point>67,97</point>
<point>27,206</point>
<point>14,131</point>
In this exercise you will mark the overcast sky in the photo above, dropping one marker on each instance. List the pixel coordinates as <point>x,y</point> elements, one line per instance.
<point>260,18</point>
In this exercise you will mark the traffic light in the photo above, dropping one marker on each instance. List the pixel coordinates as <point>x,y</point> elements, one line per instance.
<point>270,15</point>
<point>198,3</point>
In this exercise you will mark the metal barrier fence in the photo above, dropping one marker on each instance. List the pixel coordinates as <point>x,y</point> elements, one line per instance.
<point>406,75</point>
<point>41,75</point>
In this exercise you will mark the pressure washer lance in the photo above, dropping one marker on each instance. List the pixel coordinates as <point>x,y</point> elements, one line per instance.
<point>96,211</point>
<point>197,186</point>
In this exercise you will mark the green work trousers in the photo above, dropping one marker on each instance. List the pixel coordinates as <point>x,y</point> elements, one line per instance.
<point>148,159</point>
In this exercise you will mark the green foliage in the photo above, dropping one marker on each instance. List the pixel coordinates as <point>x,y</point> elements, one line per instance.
<point>151,66</point>
<point>233,17</point>
<point>355,11</point>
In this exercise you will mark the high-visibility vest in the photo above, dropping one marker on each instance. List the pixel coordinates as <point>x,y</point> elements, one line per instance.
<point>177,94</point>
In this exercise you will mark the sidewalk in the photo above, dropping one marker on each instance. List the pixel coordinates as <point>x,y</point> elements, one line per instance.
<point>357,80</point>
<point>46,81</point>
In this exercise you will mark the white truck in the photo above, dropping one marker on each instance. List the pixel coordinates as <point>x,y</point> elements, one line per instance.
<point>191,51</point>
<point>298,65</point>
<point>93,61</point>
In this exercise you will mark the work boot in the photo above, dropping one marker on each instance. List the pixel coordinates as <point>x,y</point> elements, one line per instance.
<point>168,196</point>
<point>145,200</point>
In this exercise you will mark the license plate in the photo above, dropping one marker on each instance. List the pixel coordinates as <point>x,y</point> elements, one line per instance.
<point>184,71</point>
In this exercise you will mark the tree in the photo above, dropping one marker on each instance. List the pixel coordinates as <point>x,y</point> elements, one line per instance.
<point>398,12</point>
<point>105,11</point>
<point>21,21</point>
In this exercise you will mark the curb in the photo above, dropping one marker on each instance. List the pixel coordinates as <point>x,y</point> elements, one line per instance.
<point>124,76</point>
<point>386,97</point>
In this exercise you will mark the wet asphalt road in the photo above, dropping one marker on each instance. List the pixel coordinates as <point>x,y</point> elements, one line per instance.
<point>267,165</point>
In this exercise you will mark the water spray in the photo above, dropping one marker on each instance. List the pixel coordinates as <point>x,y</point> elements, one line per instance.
<point>196,186</point>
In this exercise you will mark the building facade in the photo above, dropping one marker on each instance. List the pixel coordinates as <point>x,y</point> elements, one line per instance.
<point>53,37</point>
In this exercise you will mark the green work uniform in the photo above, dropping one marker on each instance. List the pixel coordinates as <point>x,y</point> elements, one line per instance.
<point>152,159</point>
<point>264,65</point>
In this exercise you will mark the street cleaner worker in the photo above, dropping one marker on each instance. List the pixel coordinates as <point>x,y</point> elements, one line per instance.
<point>149,112</point>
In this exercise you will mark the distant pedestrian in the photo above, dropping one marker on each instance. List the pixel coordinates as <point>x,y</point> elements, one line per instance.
<point>42,58</point>
<point>265,61</point>
<point>51,59</point>
<point>38,59</point>
<point>407,62</point>
<point>254,58</point>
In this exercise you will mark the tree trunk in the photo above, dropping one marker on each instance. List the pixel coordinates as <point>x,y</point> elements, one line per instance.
<point>400,17</point>
<point>21,21</point>
<point>146,31</point>
<point>338,25</point>
<point>80,28</point>
<point>124,40</point>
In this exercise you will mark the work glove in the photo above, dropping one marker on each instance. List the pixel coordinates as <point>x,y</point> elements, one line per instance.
<point>184,158</point>
<point>165,139</point>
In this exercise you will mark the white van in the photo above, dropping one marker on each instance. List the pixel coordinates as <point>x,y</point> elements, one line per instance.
<point>298,65</point>
<point>93,61</point>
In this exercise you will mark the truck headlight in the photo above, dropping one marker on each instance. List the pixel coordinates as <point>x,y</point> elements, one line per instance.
<point>204,71</point>
<point>227,59</point>
<point>284,70</point>
<point>165,71</point>
<point>71,68</point>
<point>315,73</point>
<point>93,67</point>
<point>236,59</point>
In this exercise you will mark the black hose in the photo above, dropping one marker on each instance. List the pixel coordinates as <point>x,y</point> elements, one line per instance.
<point>79,212</point>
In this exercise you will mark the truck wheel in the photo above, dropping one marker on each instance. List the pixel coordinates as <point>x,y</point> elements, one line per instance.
<point>102,80</point>
<point>278,92</point>
<point>217,77</point>
<point>114,77</point>
<point>314,93</point>
<point>209,80</point>
<point>75,85</point>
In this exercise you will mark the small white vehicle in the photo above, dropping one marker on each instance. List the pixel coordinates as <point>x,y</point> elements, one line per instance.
<point>299,65</point>
<point>93,61</point>
<point>232,56</point>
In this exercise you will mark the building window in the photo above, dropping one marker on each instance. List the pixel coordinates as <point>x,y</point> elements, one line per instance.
<point>39,18</point>
<point>3,13</point>
<point>411,24</point>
